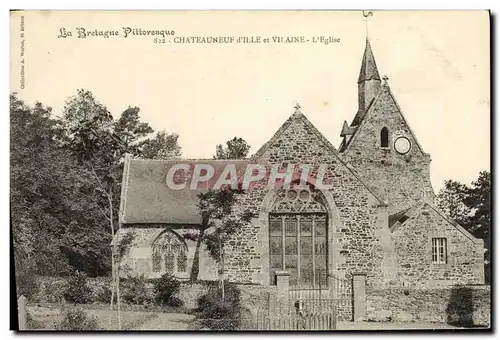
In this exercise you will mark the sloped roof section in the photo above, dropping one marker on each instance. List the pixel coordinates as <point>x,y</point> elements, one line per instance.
<point>398,219</point>
<point>369,68</point>
<point>298,115</point>
<point>146,198</point>
<point>384,89</point>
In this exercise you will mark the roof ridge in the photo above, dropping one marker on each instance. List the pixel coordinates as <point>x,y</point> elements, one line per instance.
<point>276,135</point>
<point>299,115</point>
<point>362,119</point>
<point>370,109</point>
<point>413,209</point>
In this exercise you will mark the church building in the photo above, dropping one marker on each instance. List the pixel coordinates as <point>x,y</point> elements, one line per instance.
<point>377,216</point>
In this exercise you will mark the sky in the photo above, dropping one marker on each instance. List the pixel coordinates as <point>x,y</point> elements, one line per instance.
<point>438,65</point>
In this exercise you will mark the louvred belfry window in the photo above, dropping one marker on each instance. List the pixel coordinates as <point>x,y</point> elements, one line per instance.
<point>298,225</point>
<point>169,255</point>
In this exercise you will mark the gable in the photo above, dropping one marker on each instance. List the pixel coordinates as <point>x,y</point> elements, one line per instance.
<point>427,216</point>
<point>298,141</point>
<point>383,111</point>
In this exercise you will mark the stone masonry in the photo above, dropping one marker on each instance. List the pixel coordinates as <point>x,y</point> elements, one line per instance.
<point>381,218</point>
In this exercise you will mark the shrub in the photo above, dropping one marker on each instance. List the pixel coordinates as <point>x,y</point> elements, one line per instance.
<point>135,290</point>
<point>78,291</point>
<point>103,294</point>
<point>26,284</point>
<point>175,302</point>
<point>52,290</point>
<point>216,314</point>
<point>165,288</point>
<point>32,323</point>
<point>76,319</point>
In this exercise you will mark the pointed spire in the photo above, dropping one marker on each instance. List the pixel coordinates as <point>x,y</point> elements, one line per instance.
<point>369,68</point>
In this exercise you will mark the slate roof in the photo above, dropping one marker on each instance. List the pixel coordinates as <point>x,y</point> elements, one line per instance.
<point>147,199</point>
<point>369,68</point>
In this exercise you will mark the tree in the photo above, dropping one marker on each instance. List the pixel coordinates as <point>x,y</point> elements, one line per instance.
<point>53,223</point>
<point>451,201</point>
<point>236,148</point>
<point>100,144</point>
<point>131,130</point>
<point>162,146</point>
<point>220,222</point>
<point>470,206</point>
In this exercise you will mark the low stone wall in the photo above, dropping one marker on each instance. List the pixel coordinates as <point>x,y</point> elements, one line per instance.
<point>256,296</point>
<point>457,305</point>
<point>189,293</point>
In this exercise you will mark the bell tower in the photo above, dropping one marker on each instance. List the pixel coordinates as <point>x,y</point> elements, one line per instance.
<point>368,81</point>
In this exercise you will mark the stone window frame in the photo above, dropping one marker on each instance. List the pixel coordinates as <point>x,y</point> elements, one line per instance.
<point>447,250</point>
<point>381,139</point>
<point>177,249</point>
<point>300,205</point>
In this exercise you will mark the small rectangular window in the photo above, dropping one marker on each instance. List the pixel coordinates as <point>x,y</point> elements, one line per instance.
<point>439,251</point>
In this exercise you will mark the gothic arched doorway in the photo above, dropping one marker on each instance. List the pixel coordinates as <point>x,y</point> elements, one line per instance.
<point>298,236</point>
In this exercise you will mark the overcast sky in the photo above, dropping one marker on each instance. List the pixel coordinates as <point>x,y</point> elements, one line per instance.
<point>437,64</point>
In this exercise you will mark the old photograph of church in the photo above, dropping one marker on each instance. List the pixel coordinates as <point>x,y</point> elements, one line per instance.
<point>333,175</point>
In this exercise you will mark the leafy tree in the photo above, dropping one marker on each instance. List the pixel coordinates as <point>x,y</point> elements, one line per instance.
<point>470,206</point>
<point>65,177</point>
<point>162,146</point>
<point>236,148</point>
<point>54,224</point>
<point>131,130</point>
<point>220,222</point>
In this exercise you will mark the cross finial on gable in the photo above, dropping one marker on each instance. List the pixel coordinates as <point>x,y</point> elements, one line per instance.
<point>297,107</point>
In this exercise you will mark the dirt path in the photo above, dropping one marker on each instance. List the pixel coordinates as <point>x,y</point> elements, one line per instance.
<point>167,321</point>
<point>391,326</point>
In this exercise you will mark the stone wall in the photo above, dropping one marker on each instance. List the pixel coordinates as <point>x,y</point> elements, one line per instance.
<point>401,179</point>
<point>138,259</point>
<point>353,237</point>
<point>253,297</point>
<point>458,305</point>
<point>413,244</point>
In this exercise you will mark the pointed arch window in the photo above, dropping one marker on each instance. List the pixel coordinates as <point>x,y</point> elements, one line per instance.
<point>384,137</point>
<point>169,254</point>
<point>298,225</point>
<point>156,261</point>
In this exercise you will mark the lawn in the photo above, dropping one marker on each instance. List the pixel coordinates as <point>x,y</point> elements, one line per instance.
<point>47,316</point>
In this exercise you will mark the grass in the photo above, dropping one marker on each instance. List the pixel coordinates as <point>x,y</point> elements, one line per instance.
<point>47,317</point>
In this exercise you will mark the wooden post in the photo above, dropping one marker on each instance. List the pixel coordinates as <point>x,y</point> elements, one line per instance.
<point>21,305</point>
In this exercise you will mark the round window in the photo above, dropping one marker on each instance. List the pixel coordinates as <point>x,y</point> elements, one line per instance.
<point>292,194</point>
<point>304,195</point>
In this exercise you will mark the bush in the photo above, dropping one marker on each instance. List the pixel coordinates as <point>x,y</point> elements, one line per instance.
<point>26,284</point>
<point>32,323</point>
<point>78,291</point>
<point>135,290</point>
<point>165,288</point>
<point>77,320</point>
<point>51,290</point>
<point>103,294</point>
<point>216,314</point>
